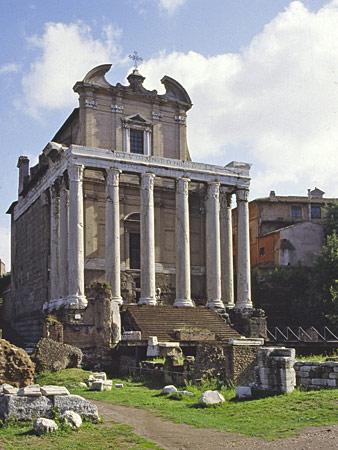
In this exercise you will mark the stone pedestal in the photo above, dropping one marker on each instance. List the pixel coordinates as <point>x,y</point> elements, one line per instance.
<point>249,322</point>
<point>183,289</point>
<point>148,287</point>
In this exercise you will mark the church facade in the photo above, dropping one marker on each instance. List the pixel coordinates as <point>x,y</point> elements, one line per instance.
<point>116,199</point>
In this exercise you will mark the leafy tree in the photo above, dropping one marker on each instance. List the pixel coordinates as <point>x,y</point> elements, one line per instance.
<point>330,221</point>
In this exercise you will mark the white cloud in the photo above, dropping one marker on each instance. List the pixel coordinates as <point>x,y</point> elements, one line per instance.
<point>274,104</point>
<point>66,53</point>
<point>170,6</point>
<point>9,68</point>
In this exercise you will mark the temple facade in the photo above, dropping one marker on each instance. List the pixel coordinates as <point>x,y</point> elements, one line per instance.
<point>116,199</point>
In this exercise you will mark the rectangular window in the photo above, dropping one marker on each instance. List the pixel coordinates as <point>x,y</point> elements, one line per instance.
<point>136,141</point>
<point>296,212</point>
<point>262,251</point>
<point>316,212</point>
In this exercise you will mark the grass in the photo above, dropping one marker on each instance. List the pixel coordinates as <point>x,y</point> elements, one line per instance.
<point>268,418</point>
<point>68,377</point>
<point>315,358</point>
<point>108,435</point>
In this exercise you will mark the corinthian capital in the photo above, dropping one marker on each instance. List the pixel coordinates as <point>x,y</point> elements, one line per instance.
<point>75,172</point>
<point>242,195</point>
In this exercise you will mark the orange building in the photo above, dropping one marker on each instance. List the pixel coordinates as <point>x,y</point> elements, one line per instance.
<point>285,230</point>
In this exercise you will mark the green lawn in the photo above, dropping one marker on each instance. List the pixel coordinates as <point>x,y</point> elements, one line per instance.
<point>268,418</point>
<point>94,437</point>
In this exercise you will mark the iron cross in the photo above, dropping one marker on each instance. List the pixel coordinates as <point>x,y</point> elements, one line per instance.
<point>136,59</point>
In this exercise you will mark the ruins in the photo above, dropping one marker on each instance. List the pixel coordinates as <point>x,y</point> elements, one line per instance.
<point>115,213</point>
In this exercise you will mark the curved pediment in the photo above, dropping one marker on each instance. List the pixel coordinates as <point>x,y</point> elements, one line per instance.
<point>175,91</point>
<point>96,76</point>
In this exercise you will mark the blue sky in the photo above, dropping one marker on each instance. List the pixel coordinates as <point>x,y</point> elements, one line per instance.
<point>262,75</point>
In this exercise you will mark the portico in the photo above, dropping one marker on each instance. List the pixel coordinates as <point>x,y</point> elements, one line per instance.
<point>220,184</point>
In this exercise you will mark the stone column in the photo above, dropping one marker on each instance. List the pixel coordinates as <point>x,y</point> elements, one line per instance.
<point>76,293</point>
<point>112,255</point>
<point>183,289</point>
<point>63,254</point>
<point>148,285</point>
<point>227,249</point>
<point>243,251</point>
<point>54,241</point>
<point>213,247</point>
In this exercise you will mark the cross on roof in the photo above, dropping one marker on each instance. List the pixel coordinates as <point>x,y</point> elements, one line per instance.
<point>136,59</point>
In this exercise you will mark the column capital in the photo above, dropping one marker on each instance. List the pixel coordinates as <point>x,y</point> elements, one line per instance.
<point>182,185</point>
<point>225,199</point>
<point>75,172</point>
<point>113,176</point>
<point>148,180</point>
<point>242,195</point>
<point>213,189</point>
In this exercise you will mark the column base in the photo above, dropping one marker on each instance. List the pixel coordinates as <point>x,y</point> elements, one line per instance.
<point>240,305</point>
<point>147,301</point>
<point>182,302</point>
<point>70,302</point>
<point>118,300</point>
<point>76,302</point>
<point>215,304</point>
<point>229,305</point>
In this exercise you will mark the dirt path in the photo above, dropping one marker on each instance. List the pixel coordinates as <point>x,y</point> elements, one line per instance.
<point>174,436</point>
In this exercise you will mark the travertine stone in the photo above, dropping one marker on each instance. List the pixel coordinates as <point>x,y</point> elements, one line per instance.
<point>213,247</point>
<point>183,287</point>
<point>76,297</point>
<point>42,426</point>
<point>54,241</point>
<point>148,286</point>
<point>112,257</point>
<point>54,390</point>
<point>226,248</point>
<point>243,251</point>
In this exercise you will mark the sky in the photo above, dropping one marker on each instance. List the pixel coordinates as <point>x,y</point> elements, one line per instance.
<point>262,75</point>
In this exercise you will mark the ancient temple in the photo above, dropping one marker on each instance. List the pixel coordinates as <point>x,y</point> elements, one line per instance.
<point>116,199</point>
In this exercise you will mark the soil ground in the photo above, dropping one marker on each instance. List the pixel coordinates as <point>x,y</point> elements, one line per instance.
<point>173,436</point>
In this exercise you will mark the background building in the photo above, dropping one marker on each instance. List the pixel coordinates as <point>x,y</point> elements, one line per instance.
<point>286,230</point>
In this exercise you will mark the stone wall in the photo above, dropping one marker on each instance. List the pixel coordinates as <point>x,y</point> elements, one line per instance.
<point>243,361</point>
<point>317,375</point>
<point>30,276</point>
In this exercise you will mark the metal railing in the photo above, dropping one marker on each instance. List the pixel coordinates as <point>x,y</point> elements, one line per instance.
<point>310,334</point>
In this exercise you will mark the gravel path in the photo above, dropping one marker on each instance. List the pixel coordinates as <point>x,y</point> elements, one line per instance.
<point>173,436</point>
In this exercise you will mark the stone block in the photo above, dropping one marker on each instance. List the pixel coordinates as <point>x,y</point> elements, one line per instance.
<point>72,419</point>
<point>85,408</point>
<point>30,391</point>
<point>43,426</point>
<point>169,389</point>
<point>9,389</point>
<point>52,390</point>
<point>331,383</point>
<point>24,408</point>
<point>243,392</point>
<point>210,398</point>
<point>119,385</point>
<point>319,381</point>
<point>335,369</point>
<point>100,385</point>
<point>131,336</point>
<point>303,382</point>
<point>333,375</point>
<point>97,376</point>
<point>52,355</point>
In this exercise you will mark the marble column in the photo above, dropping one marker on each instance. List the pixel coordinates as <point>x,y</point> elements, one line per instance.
<point>76,288</point>
<point>243,251</point>
<point>112,255</point>
<point>213,247</point>
<point>148,285</point>
<point>63,253</point>
<point>227,248</point>
<point>54,241</point>
<point>183,288</point>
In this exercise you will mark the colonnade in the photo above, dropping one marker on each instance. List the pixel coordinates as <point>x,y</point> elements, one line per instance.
<point>67,242</point>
